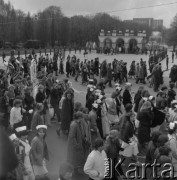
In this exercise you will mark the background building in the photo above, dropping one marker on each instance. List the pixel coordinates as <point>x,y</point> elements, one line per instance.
<point>153,23</point>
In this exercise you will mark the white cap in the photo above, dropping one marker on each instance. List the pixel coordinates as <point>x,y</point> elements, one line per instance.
<point>98,101</point>
<point>95,105</point>
<point>30,111</point>
<point>91,89</point>
<point>98,91</point>
<point>145,98</point>
<point>57,81</point>
<point>171,125</point>
<point>118,88</point>
<point>91,80</point>
<point>117,84</point>
<point>151,97</point>
<point>89,86</point>
<point>13,137</point>
<point>19,129</point>
<point>41,126</point>
<point>174,101</point>
<point>128,84</point>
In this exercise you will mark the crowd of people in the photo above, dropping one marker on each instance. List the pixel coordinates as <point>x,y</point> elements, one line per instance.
<point>32,95</point>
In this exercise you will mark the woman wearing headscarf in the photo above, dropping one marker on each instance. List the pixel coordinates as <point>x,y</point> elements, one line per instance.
<point>75,150</point>
<point>145,117</point>
<point>112,110</point>
<point>66,112</point>
<point>137,98</point>
<point>42,98</point>
<point>127,135</point>
<point>22,135</point>
<point>172,129</point>
<point>39,153</point>
<point>144,97</point>
<point>127,98</point>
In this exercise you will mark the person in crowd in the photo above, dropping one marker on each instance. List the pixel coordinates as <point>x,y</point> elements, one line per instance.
<point>127,98</point>
<point>145,117</point>
<point>42,98</point>
<point>137,98</point>
<point>8,156</point>
<point>118,100</point>
<point>112,147</point>
<point>171,94</point>
<point>144,97</point>
<point>37,118</point>
<point>162,141</point>
<point>66,112</point>
<point>112,110</point>
<point>172,129</point>
<point>130,143</point>
<point>39,153</point>
<point>16,114</point>
<point>4,109</point>
<point>152,147</point>
<point>94,166</point>
<point>109,75</point>
<point>132,70</point>
<point>28,104</point>
<point>76,148</point>
<point>55,98</point>
<point>93,123</point>
<point>22,135</point>
<point>161,101</point>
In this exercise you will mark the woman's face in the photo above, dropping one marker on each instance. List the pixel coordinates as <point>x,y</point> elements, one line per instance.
<point>41,132</point>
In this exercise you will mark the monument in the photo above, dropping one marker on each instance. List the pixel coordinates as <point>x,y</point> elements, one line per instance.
<point>123,42</point>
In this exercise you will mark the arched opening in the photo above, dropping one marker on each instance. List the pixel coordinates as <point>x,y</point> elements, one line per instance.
<point>132,46</point>
<point>120,45</point>
<point>107,43</point>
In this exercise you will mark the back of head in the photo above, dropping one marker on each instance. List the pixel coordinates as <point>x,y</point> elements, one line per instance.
<point>98,143</point>
<point>128,107</point>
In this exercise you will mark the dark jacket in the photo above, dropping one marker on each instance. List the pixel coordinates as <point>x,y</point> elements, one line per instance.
<point>40,97</point>
<point>127,97</point>
<point>145,118</point>
<point>127,130</point>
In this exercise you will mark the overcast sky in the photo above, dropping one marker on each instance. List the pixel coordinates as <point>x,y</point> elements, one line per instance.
<point>83,7</point>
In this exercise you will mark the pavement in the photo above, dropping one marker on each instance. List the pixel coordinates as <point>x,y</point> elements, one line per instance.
<point>58,145</point>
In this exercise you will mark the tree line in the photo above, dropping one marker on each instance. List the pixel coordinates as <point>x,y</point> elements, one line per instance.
<point>52,27</point>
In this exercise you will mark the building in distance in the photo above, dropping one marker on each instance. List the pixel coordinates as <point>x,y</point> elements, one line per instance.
<point>150,22</point>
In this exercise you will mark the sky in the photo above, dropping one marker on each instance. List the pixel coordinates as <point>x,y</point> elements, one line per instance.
<point>85,7</point>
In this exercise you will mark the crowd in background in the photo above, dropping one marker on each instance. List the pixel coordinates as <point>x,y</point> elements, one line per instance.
<point>105,127</point>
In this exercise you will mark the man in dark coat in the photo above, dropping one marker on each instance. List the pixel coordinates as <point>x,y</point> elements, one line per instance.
<point>109,75</point>
<point>68,68</point>
<point>66,113</point>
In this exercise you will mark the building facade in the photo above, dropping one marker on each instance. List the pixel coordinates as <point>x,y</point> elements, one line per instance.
<point>153,23</point>
<point>127,41</point>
